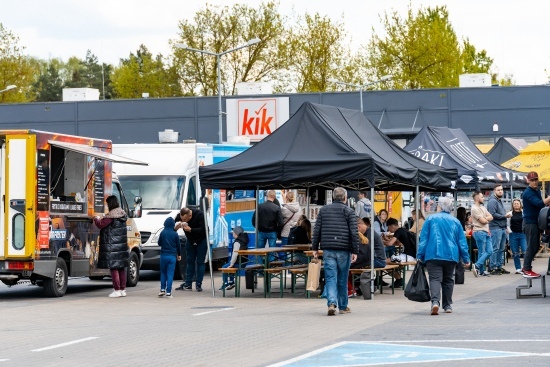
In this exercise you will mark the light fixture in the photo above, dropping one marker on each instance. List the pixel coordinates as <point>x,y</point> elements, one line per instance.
<point>249,43</point>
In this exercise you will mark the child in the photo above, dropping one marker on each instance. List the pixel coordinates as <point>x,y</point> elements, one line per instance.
<point>240,243</point>
<point>170,251</point>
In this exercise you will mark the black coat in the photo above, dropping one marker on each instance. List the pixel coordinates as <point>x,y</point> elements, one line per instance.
<point>336,229</point>
<point>270,218</point>
<point>113,245</point>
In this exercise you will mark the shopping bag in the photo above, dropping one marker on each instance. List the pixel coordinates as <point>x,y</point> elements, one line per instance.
<point>459,273</point>
<point>313,275</point>
<point>417,288</point>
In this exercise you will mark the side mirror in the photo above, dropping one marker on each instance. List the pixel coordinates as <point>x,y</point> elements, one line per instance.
<point>136,212</point>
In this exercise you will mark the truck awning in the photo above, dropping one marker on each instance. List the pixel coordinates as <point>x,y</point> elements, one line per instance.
<point>92,152</point>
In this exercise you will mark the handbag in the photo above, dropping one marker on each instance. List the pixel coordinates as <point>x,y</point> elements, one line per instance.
<point>417,288</point>
<point>459,273</point>
<point>279,230</point>
<point>313,275</point>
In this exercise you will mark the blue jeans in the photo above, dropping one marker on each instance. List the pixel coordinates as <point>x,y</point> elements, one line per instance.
<point>167,266</point>
<point>484,248</point>
<point>337,263</point>
<point>195,258</point>
<point>226,276</point>
<point>271,239</point>
<point>532,237</point>
<point>517,242</point>
<point>498,239</point>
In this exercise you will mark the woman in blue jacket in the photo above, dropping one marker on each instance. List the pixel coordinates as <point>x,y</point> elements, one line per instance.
<point>442,244</point>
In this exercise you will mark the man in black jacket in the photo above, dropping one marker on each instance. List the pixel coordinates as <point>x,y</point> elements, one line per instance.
<point>192,223</point>
<point>269,220</point>
<point>337,235</point>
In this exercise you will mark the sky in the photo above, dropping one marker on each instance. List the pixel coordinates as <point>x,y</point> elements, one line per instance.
<point>513,32</point>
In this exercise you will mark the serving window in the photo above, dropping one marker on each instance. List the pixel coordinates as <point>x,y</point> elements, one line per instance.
<point>68,179</point>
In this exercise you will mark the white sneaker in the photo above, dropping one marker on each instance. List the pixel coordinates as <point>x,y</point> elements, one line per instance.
<point>519,271</point>
<point>123,293</point>
<point>115,294</point>
<point>168,295</point>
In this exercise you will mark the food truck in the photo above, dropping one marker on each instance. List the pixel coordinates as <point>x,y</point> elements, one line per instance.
<point>52,185</point>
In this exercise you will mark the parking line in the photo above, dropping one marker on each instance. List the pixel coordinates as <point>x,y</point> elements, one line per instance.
<point>64,344</point>
<point>4,360</point>
<point>463,341</point>
<point>207,312</point>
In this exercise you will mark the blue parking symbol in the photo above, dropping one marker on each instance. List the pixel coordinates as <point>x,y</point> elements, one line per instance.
<point>375,354</point>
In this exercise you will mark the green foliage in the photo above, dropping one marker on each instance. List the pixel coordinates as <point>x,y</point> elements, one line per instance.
<point>316,50</point>
<point>88,73</point>
<point>219,29</point>
<point>16,68</point>
<point>49,85</point>
<point>141,73</point>
<point>422,51</point>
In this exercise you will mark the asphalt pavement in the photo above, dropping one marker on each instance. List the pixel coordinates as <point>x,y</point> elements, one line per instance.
<point>488,327</point>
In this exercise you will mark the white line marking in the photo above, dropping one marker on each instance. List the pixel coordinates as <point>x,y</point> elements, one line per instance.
<point>329,347</point>
<point>459,341</point>
<point>4,360</point>
<point>64,344</point>
<point>207,312</point>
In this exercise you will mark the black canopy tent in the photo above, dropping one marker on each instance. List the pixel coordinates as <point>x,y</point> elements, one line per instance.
<point>451,148</point>
<point>505,149</point>
<point>326,146</point>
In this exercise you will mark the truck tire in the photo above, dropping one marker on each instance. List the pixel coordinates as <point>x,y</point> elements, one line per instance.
<point>132,278</point>
<point>57,286</point>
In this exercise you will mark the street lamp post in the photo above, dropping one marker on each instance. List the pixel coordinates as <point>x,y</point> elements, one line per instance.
<point>361,86</point>
<point>218,57</point>
<point>9,87</point>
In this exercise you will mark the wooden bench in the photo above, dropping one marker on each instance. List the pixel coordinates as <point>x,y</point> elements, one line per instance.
<point>233,271</point>
<point>298,272</point>
<point>380,272</point>
<point>271,273</point>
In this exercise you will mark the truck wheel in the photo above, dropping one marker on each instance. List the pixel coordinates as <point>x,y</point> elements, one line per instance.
<point>57,286</point>
<point>132,277</point>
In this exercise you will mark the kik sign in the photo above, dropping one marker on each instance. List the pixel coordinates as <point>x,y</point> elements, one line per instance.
<point>256,118</point>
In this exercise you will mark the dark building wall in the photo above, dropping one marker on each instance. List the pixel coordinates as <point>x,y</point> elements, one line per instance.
<point>518,111</point>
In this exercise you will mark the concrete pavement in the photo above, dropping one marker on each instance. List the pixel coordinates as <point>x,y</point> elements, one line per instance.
<point>86,328</point>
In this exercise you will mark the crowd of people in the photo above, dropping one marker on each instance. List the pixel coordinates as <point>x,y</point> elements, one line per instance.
<point>344,234</point>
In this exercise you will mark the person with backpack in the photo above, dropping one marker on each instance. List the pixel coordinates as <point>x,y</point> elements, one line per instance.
<point>363,206</point>
<point>240,243</point>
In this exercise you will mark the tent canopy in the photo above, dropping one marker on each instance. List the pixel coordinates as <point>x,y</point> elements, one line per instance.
<point>451,148</point>
<point>535,157</point>
<point>505,149</point>
<point>326,146</point>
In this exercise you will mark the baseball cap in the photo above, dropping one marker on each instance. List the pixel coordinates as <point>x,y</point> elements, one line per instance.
<point>238,230</point>
<point>532,176</point>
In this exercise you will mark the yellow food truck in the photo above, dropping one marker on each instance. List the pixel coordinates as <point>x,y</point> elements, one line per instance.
<point>51,186</point>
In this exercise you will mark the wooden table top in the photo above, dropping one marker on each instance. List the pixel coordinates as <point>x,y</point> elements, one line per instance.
<point>266,250</point>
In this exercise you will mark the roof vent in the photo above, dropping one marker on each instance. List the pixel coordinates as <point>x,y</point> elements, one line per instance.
<point>168,136</point>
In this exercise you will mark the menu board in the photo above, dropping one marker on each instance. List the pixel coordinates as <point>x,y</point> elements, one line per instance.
<point>43,175</point>
<point>99,186</point>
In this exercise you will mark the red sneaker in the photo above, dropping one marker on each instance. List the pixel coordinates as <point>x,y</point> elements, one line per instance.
<point>530,274</point>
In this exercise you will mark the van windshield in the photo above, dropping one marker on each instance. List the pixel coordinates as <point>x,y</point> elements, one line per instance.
<point>157,192</point>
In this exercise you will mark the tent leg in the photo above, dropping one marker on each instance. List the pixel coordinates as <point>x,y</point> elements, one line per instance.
<point>209,249</point>
<point>372,272</point>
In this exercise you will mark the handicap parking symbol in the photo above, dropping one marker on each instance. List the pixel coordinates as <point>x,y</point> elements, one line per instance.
<point>376,354</point>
